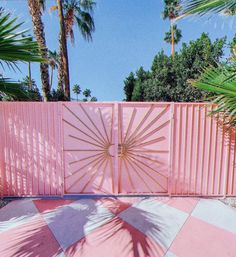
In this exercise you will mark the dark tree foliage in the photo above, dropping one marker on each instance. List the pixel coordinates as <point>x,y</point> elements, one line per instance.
<point>168,79</point>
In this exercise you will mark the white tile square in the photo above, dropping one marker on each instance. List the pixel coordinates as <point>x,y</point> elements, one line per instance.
<point>156,220</point>
<point>72,222</point>
<point>216,213</point>
<point>16,213</point>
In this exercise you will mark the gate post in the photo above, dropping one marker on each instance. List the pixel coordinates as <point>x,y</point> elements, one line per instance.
<point>61,144</point>
<point>116,142</point>
<point>171,146</point>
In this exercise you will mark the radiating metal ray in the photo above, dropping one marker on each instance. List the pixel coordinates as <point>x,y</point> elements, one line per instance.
<point>129,177</point>
<point>153,131</point>
<point>87,164</point>
<point>93,174</point>
<point>86,173</point>
<point>86,141</point>
<point>149,125</point>
<point>131,121</point>
<point>147,166</point>
<point>141,123</point>
<point>84,123</point>
<point>104,127</point>
<point>151,142</point>
<point>86,158</point>
<point>103,175</point>
<point>99,132</point>
<point>140,177</point>
<point>141,150</point>
<point>81,131</point>
<point>150,176</point>
<point>112,176</point>
<point>145,157</point>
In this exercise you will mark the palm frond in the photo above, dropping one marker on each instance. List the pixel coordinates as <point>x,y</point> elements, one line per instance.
<point>217,80</point>
<point>13,89</point>
<point>14,46</point>
<point>202,7</point>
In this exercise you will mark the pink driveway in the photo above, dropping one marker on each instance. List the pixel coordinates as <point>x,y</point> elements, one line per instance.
<point>118,227</point>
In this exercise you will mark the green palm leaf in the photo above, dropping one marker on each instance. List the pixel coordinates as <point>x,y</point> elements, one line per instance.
<point>15,47</point>
<point>205,6</point>
<point>217,80</point>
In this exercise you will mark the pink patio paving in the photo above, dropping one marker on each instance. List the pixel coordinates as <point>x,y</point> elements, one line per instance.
<point>118,227</point>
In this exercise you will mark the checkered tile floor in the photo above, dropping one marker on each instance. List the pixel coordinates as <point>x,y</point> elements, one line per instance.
<point>118,227</point>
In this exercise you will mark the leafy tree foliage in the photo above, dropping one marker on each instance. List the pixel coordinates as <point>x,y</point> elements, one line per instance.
<point>169,79</point>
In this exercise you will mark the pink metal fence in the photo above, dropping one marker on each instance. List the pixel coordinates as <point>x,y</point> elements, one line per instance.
<point>114,148</point>
<point>203,153</point>
<point>30,149</point>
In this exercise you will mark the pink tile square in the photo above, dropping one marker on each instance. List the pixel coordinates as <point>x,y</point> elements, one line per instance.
<point>115,206</point>
<point>198,238</point>
<point>50,205</point>
<point>116,238</point>
<point>29,239</point>
<point>185,204</point>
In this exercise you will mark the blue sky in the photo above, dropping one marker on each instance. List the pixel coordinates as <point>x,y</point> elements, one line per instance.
<point>128,35</point>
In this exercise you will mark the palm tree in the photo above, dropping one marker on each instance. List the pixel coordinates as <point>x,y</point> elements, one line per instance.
<point>75,12</point>
<point>93,99</point>
<point>171,11</point>
<point>220,80</point>
<point>53,60</point>
<point>63,68</point>
<point>177,36</point>
<point>87,93</point>
<point>35,9</point>
<point>79,12</point>
<point>15,47</point>
<point>77,91</point>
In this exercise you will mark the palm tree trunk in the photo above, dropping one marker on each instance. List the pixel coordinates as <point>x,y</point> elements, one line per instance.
<point>51,79</point>
<point>35,12</point>
<point>172,39</point>
<point>63,47</point>
<point>30,77</point>
<point>60,75</point>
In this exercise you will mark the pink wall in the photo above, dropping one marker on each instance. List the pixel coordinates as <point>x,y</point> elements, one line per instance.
<point>43,144</point>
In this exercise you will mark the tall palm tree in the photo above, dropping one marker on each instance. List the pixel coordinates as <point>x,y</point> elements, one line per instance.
<point>77,91</point>
<point>35,9</point>
<point>72,12</point>
<point>63,68</point>
<point>177,35</point>
<point>15,47</point>
<point>171,11</point>
<point>53,61</point>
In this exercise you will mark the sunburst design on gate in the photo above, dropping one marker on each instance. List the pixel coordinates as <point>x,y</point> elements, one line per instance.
<point>134,152</point>
<point>99,161</point>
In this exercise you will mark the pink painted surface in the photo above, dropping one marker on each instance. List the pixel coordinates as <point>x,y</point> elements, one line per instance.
<point>214,241</point>
<point>118,227</point>
<point>30,149</point>
<point>114,148</point>
<point>203,154</point>
<point>33,238</point>
<point>144,133</point>
<point>89,148</point>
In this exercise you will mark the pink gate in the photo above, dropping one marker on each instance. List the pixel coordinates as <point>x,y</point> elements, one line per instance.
<point>116,148</point>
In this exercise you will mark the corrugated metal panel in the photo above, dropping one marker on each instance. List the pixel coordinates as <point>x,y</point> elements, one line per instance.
<point>31,157</point>
<point>203,153</point>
